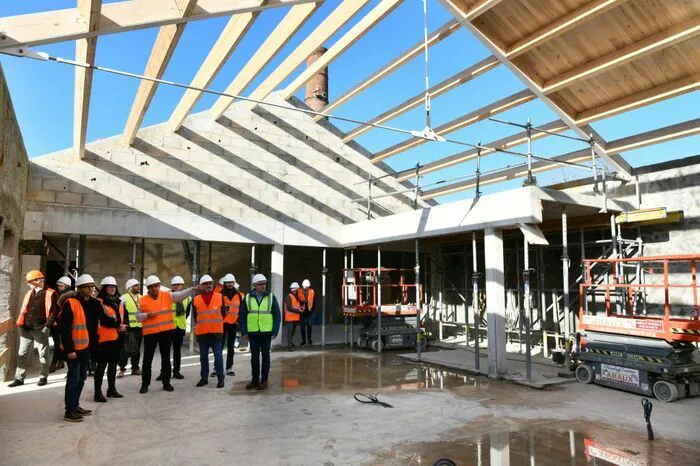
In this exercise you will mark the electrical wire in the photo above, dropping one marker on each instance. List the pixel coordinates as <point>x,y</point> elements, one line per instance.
<point>370,399</point>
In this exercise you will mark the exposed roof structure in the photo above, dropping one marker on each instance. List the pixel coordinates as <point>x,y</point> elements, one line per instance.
<point>586,60</point>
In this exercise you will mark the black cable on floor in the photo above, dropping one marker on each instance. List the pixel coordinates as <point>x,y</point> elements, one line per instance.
<point>370,399</point>
<point>648,406</point>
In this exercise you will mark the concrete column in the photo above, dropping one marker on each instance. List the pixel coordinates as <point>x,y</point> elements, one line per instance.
<point>276,284</point>
<point>495,301</point>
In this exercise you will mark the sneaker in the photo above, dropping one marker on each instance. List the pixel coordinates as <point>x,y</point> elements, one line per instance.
<point>159,378</point>
<point>263,385</point>
<point>121,373</point>
<point>177,375</point>
<point>253,384</point>
<point>83,412</point>
<point>73,417</point>
<point>42,381</point>
<point>168,388</point>
<point>202,382</point>
<point>230,372</point>
<point>220,384</point>
<point>144,389</point>
<point>16,383</point>
<point>136,371</point>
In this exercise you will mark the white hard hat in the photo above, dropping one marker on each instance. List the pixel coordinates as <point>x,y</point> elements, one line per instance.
<point>177,280</point>
<point>151,280</point>
<point>221,281</point>
<point>294,286</point>
<point>236,285</point>
<point>206,279</point>
<point>65,280</point>
<point>258,277</point>
<point>130,283</point>
<point>228,278</point>
<point>306,283</point>
<point>108,281</point>
<point>84,279</point>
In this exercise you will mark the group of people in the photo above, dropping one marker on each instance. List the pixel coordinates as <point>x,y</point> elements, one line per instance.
<point>91,325</point>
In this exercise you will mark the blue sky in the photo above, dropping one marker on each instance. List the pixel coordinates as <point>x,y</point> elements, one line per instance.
<point>42,93</point>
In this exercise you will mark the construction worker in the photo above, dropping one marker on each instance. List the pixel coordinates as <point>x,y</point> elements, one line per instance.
<point>182,313</point>
<point>219,286</point>
<point>130,300</point>
<point>232,304</point>
<point>208,312</point>
<point>78,327</point>
<point>306,296</point>
<point>260,322</point>
<point>37,307</point>
<point>292,314</point>
<point>110,333</point>
<point>63,285</point>
<point>156,315</point>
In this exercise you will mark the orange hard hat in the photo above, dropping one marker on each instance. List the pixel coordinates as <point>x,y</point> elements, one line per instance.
<point>34,275</point>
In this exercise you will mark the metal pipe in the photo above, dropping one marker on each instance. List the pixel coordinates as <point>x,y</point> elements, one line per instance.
<point>539,130</point>
<point>352,319</point>
<point>132,273</point>
<point>324,272</point>
<point>475,302</point>
<point>615,255</point>
<point>417,187</point>
<point>478,171</point>
<point>604,210</point>
<point>594,165</point>
<point>466,295</point>
<point>565,262</point>
<point>253,269</point>
<point>209,260</point>
<point>379,298</point>
<point>66,263</point>
<point>345,293</point>
<point>418,332</point>
<point>80,254</point>
<point>519,303</point>
<point>195,281</point>
<point>529,151</point>
<point>528,308</point>
<point>143,260</point>
<point>369,198</point>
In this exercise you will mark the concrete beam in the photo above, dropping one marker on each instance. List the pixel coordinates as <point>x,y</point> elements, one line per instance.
<point>495,301</point>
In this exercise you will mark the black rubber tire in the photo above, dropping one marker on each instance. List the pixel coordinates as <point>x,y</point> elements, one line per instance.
<point>585,374</point>
<point>665,391</point>
<point>377,346</point>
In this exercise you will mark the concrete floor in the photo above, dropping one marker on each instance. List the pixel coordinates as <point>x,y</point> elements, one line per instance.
<point>309,416</point>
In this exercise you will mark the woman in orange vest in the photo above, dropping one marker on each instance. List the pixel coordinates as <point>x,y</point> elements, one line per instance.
<point>292,314</point>
<point>208,312</point>
<point>232,304</point>
<point>307,297</point>
<point>110,332</point>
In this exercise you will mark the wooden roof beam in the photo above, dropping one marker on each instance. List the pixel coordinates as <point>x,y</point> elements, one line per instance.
<point>121,16</point>
<point>469,13</point>
<point>89,15</point>
<point>417,49</point>
<point>477,115</point>
<point>228,40</point>
<point>355,33</point>
<point>285,30</point>
<point>446,85</point>
<point>161,53</point>
<point>336,20</point>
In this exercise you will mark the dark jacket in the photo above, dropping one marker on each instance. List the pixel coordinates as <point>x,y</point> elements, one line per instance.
<point>243,314</point>
<point>94,313</point>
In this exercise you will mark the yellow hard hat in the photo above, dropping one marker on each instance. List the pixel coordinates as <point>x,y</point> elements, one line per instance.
<point>34,275</point>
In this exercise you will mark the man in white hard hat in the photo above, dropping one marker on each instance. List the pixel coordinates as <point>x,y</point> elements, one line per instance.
<point>182,313</point>
<point>208,312</point>
<point>292,314</point>
<point>156,313</point>
<point>232,305</point>
<point>77,324</point>
<point>307,297</point>
<point>63,285</point>
<point>134,335</point>
<point>260,321</point>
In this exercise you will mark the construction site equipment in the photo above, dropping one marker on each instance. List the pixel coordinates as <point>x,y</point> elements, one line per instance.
<point>396,333</point>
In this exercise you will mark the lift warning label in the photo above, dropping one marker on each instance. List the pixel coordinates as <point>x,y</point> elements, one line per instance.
<point>620,374</point>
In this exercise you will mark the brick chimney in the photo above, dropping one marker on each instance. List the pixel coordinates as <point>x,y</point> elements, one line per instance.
<point>316,96</point>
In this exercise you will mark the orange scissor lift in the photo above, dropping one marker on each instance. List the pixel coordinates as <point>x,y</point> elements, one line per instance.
<point>638,334</point>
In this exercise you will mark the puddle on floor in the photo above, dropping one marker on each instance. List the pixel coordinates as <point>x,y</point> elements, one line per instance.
<point>506,442</point>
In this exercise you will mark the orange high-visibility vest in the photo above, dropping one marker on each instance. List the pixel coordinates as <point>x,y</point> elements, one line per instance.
<point>162,310</point>
<point>309,301</point>
<point>209,318</point>
<point>25,303</point>
<point>234,306</point>
<point>292,316</point>
<point>81,337</point>
<point>106,334</point>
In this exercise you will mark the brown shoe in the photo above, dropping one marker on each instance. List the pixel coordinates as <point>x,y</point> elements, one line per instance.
<point>83,412</point>
<point>263,385</point>
<point>251,385</point>
<point>73,417</point>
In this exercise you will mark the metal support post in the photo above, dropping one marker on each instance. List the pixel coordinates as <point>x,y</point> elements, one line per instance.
<point>143,261</point>
<point>66,263</point>
<point>475,302</point>
<point>345,294</point>
<point>565,263</point>
<point>530,180</point>
<point>132,265</point>
<point>324,273</point>
<point>352,319</point>
<point>604,210</point>
<point>379,298</point>
<point>81,256</point>
<point>615,255</point>
<point>417,187</point>
<point>209,260</point>
<point>195,281</point>
<point>477,194</point>
<point>253,268</point>
<point>594,165</point>
<point>528,308</point>
<point>583,271</point>
<point>369,198</point>
<point>418,333</point>
<point>466,294</point>
<point>543,295</point>
<point>518,301</point>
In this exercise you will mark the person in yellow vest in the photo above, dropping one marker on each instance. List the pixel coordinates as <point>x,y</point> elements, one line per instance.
<point>156,316</point>
<point>208,312</point>
<point>259,319</point>
<point>110,332</point>
<point>33,322</point>
<point>77,326</point>
<point>292,314</point>
<point>306,296</point>
<point>181,313</point>
<point>232,303</point>
<point>130,301</point>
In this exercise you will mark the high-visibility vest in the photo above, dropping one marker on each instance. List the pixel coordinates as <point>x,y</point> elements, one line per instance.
<point>209,319</point>
<point>181,321</point>
<point>25,306</point>
<point>292,316</point>
<point>307,298</point>
<point>162,311</point>
<point>106,334</point>
<point>234,305</point>
<point>259,314</point>
<point>132,307</point>
<point>81,337</point>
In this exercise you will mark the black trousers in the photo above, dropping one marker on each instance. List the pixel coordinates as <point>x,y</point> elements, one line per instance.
<point>260,343</point>
<point>229,339</point>
<point>291,330</point>
<point>57,353</point>
<point>137,355</point>
<point>178,338</point>
<point>306,320</point>
<point>163,340</point>
<point>111,368</point>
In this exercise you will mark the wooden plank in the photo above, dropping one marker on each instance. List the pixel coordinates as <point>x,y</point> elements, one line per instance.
<point>230,37</point>
<point>163,48</point>
<point>84,53</point>
<point>646,46</point>
<point>448,84</point>
<point>436,37</point>
<point>477,115</point>
<point>355,33</point>
<point>657,136</point>
<point>33,29</point>
<point>336,20</point>
<point>288,26</point>
<point>478,8</point>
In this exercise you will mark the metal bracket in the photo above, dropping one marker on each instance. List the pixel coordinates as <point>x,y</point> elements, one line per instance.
<point>428,134</point>
<point>25,52</point>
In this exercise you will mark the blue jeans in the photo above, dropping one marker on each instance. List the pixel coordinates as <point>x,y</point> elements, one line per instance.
<point>213,341</point>
<point>75,381</point>
<point>260,343</point>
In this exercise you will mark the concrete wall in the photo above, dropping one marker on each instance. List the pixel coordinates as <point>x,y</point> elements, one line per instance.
<point>14,169</point>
